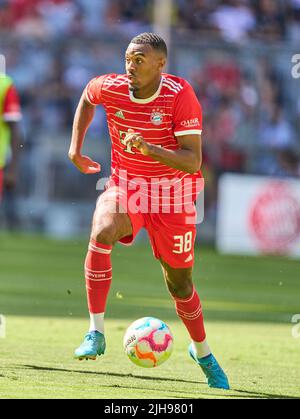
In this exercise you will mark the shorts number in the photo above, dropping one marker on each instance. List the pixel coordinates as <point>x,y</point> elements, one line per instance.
<point>184,243</point>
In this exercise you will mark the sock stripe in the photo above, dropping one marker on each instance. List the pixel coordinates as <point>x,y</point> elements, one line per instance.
<point>179,311</point>
<point>99,280</point>
<point>189,317</point>
<point>91,270</point>
<point>100,245</point>
<point>93,248</point>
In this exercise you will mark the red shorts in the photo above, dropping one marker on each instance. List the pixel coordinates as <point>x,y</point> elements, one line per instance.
<point>172,236</point>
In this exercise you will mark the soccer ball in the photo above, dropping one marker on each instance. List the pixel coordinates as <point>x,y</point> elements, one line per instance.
<point>148,342</point>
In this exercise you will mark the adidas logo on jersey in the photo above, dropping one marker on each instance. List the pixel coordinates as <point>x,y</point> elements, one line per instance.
<point>189,258</point>
<point>119,114</point>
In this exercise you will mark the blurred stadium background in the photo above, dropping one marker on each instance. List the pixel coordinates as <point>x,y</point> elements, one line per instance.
<point>237,54</point>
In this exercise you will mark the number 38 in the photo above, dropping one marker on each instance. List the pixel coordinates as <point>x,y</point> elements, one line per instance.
<point>184,243</point>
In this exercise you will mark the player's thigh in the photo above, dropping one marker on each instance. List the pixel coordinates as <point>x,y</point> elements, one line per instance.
<point>110,221</point>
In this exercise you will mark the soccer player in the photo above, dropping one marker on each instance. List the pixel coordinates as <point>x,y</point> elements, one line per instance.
<point>10,115</point>
<point>155,125</point>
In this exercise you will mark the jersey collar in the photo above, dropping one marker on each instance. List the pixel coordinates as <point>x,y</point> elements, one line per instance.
<point>148,99</point>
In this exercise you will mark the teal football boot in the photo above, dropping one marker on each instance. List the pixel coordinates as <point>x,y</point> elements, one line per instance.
<point>216,377</point>
<point>93,345</point>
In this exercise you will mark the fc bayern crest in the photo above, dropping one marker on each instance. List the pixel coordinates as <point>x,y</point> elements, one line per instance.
<point>157,117</point>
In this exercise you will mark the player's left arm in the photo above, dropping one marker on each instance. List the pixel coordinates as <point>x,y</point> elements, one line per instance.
<point>188,158</point>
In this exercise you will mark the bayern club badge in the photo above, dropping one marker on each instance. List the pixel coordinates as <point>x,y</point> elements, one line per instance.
<point>157,117</point>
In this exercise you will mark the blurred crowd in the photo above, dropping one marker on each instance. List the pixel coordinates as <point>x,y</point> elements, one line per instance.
<point>249,124</point>
<point>239,20</point>
<point>251,114</point>
<point>231,20</point>
<point>252,124</point>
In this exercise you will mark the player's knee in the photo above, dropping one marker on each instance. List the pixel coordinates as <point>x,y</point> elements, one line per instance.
<point>105,234</point>
<point>181,288</point>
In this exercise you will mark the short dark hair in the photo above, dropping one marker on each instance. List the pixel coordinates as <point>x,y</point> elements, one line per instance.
<point>152,39</point>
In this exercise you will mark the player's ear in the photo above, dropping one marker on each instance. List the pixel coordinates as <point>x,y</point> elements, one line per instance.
<point>162,62</point>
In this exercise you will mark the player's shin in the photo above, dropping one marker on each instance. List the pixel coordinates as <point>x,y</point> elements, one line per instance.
<point>189,311</point>
<point>98,276</point>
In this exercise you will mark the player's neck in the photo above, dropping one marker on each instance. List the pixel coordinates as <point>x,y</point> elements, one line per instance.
<point>148,91</point>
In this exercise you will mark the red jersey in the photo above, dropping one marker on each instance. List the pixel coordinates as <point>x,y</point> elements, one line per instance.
<point>11,106</point>
<point>171,112</point>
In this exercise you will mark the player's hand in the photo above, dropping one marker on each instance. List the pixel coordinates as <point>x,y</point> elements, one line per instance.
<point>84,164</point>
<point>136,140</point>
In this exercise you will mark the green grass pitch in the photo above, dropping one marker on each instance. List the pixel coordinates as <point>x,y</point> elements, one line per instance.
<point>248,305</point>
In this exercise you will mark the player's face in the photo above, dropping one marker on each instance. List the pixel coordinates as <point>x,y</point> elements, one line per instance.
<point>143,66</point>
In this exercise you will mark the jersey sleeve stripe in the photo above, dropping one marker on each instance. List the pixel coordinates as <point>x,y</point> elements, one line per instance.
<point>188,131</point>
<point>170,88</point>
<point>174,83</point>
<point>177,87</point>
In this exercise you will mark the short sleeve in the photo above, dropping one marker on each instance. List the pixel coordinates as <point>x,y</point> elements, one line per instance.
<point>11,106</point>
<point>93,90</point>
<point>187,114</point>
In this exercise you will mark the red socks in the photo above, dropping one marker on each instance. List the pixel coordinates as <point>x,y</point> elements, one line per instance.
<point>98,275</point>
<point>190,311</point>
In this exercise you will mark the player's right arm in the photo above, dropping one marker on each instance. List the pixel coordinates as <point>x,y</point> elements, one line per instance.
<point>83,117</point>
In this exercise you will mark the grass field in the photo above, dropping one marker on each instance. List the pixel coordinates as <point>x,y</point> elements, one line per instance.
<point>248,305</point>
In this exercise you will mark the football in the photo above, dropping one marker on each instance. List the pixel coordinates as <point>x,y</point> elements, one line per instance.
<point>148,342</point>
